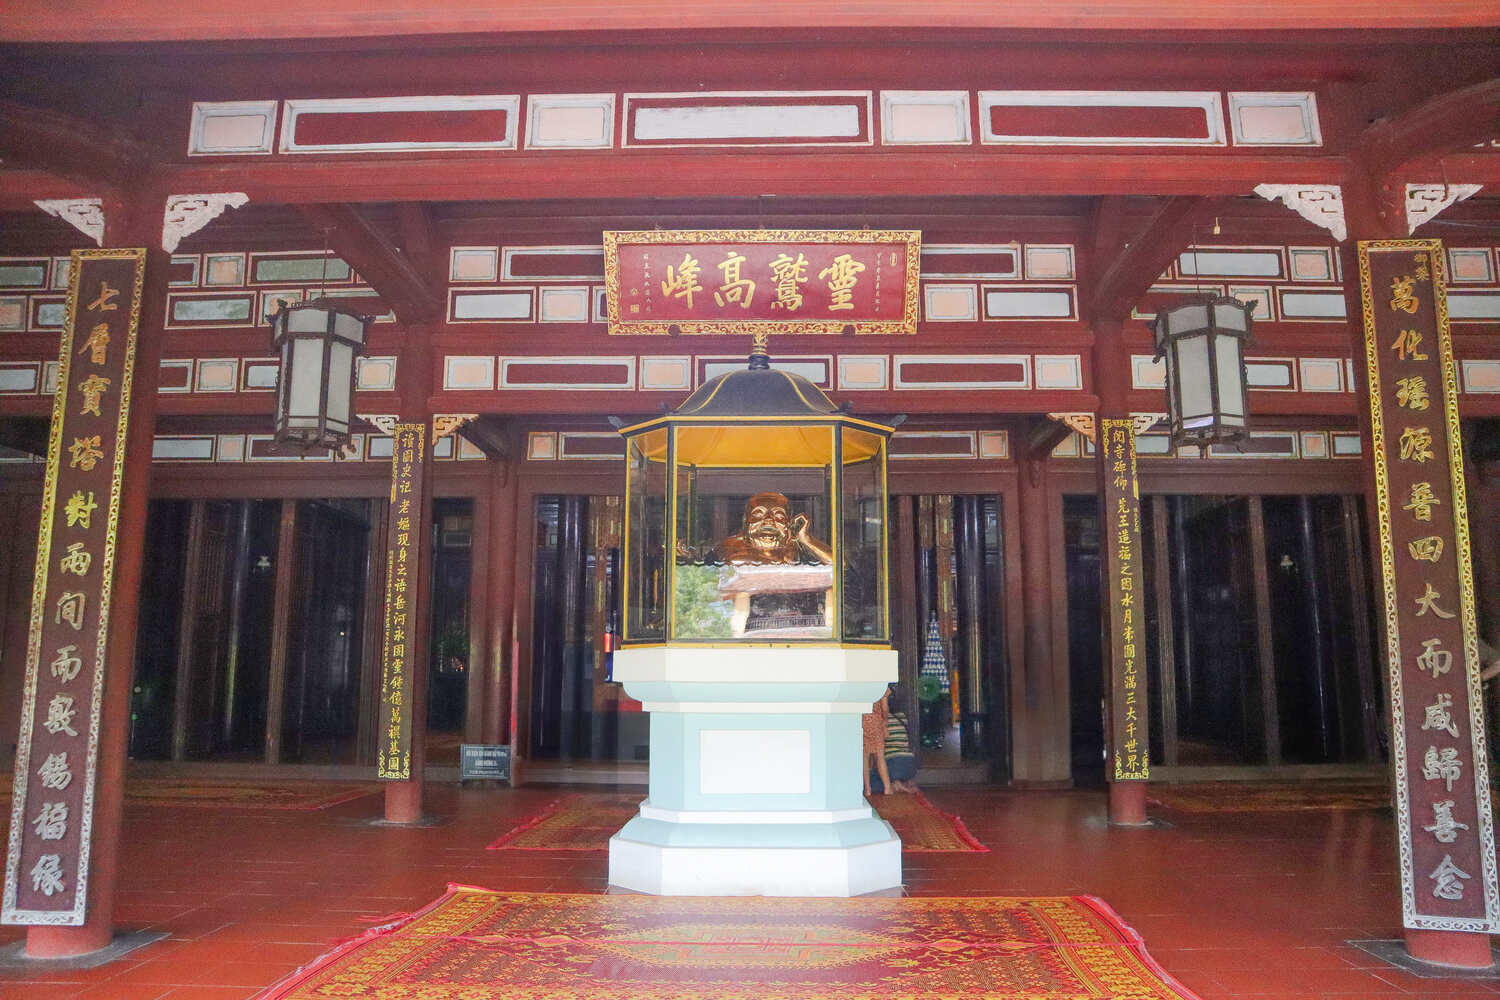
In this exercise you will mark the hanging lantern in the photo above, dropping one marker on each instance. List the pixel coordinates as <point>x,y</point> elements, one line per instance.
<point>1203,343</point>
<point>317,342</point>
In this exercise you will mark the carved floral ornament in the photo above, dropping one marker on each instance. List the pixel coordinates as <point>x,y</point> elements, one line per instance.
<point>188,213</point>
<point>84,214</point>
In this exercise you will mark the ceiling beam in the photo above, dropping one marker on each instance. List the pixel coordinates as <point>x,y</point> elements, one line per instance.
<point>717,173</point>
<point>404,290</point>
<point>104,159</point>
<point>1122,281</point>
<point>1452,122</point>
<point>492,435</point>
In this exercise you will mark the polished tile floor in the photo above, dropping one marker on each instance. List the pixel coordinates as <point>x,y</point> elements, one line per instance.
<point>1234,905</point>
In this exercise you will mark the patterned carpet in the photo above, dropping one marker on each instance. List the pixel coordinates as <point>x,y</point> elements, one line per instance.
<point>300,796</point>
<point>1268,796</point>
<point>474,944</point>
<point>583,821</point>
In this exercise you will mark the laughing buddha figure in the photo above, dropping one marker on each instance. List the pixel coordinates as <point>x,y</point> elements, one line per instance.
<point>778,576</point>
<point>771,536</point>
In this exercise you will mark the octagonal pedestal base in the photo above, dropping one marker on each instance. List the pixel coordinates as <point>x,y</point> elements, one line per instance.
<point>741,870</point>
<point>757,761</point>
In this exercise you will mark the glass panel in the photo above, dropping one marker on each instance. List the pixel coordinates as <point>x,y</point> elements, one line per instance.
<point>754,545</point>
<point>1231,375</point>
<point>862,533</point>
<point>646,537</point>
<point>340,381</point>
<point>306,379</point>
<point>1193,381</point>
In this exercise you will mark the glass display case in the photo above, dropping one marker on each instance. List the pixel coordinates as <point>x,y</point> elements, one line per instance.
<point>756,513</point>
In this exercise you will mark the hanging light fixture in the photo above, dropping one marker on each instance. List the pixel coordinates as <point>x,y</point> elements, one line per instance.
<point>1203,343</point>
<point>317,342</point>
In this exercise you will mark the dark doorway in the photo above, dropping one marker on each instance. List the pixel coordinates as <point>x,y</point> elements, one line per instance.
<point>448,667</point>
<point>956,614</point>
<point>577,711</point>
<point>1085,635</point>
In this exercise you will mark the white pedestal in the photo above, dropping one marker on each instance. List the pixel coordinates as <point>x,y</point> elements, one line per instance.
<point>757,761</point>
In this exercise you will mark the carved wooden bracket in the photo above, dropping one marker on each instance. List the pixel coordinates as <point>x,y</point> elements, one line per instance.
<point>385,421</point>
<point>84,214</point>
<point>1083,423</point>
<point>1425,201</point>
<point>444,424</point>
<point>1320,204</point>
<point>188,213</point>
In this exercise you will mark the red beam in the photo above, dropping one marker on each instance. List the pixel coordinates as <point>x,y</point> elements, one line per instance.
<point>378,261</point>
<point>1141,262</point>
<point>85,151</point>
<point>191,20</point>
<point>1451,122</point>
<point>717,173</point>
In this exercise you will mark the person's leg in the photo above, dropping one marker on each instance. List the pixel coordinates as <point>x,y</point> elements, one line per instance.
<point>866,770</point>
<point>884,772</point>
<point>902,767</point>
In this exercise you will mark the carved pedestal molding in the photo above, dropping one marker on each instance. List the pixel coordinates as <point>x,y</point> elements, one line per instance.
<point>1320,204</point>
<point>444,424</point>
<point>1083,423</point>
<point>1425,201</point>
<point>188,213</point>
<point>84,214</point>
<point>385,421</point>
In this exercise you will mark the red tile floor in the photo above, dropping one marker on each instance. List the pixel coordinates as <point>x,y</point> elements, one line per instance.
<point>1235,905</point>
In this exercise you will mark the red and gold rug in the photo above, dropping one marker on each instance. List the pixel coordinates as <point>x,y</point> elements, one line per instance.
<point>300,796</point>
<point>474,944</point>
<point>1271,796</point>
<point>584,822</point>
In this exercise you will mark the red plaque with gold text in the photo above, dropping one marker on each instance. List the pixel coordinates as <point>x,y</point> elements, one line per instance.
<point>408,465</point>
<point>52,809</point>
<point>1445,831</point>
<point>762,280</point>
<point>1120,543</point>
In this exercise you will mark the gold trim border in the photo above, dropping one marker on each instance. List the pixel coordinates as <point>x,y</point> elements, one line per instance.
<point>906,326</point>
<point>9,914</point>
<point>1490,923</point>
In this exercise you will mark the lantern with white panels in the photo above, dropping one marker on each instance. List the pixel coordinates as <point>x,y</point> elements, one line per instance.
<point>1203,343</point>
<point>317,343</point>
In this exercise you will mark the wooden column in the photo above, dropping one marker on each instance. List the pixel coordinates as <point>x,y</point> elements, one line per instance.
<point>1040,722</point>
<point>479,631</point>
<point>1123,595</point>
<point>137,224</point>
<point>1265,648</point>
<point>187,625</point>
<point>281,627</point>
<point>501,603</point>
<point>1421,555</point>
<point>403,797</point>
<point>1166,647</point>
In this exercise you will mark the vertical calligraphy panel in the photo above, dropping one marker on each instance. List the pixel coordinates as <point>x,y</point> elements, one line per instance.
<point>1446,834</point>
<point>408,466</point>
<point>1125,616</point>
<point>47,860</point>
